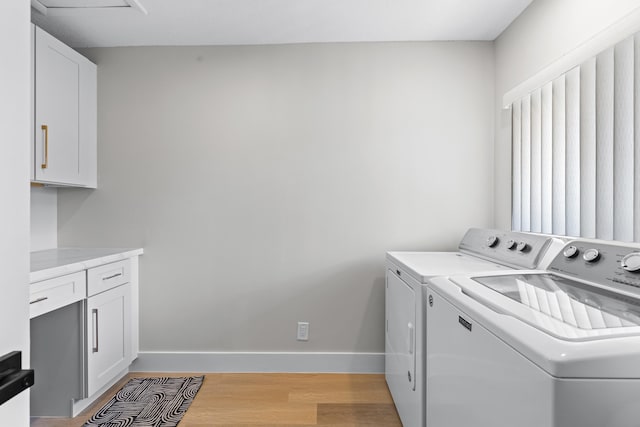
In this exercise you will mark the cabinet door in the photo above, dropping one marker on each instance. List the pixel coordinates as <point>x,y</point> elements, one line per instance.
<point>109,336</point>
<point>65,143</point>
<point>401,349</point>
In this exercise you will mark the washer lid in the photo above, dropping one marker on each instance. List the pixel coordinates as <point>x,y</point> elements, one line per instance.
<point>557,346</point>
<point>568,309</point>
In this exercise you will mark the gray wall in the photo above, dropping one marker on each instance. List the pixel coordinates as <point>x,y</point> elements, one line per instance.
<point>266,183</point>
<point>44,218</point>
<point>542,34</point>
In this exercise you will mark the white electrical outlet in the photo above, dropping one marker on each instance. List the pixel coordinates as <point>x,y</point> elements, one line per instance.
<point>303,331</point>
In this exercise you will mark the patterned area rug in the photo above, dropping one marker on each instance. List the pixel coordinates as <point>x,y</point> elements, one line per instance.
<point>149,402</point>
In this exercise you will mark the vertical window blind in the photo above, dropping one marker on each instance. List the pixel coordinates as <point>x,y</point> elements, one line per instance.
<point>576,150</point>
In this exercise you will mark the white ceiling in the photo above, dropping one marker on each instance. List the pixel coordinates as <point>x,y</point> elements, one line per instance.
<point>232,22</point>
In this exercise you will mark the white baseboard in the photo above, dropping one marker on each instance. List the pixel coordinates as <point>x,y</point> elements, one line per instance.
<point>258,362</point>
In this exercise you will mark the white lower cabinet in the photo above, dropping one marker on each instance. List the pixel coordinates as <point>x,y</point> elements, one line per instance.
<point>109,336</point>
<point>84,331</point>
<point>49,295</point>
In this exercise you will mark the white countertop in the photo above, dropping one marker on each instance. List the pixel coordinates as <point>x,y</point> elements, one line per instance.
<point>57,262</point>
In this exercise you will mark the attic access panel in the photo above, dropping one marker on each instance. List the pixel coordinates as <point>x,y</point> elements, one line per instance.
<point>46,6</point>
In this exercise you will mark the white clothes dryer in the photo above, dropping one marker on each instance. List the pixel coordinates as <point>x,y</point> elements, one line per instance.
<point>481,250</point>
<point>555,348</point>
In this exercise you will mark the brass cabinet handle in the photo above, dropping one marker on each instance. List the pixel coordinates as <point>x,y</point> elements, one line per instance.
<point>45,128</point>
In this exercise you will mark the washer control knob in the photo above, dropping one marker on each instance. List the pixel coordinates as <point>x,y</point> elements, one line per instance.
<point>492,241</point>
<point>591,255</point>
<point>570,252</point>
<point>511,244</point>
<point>522,246</point>
<point>631,262</point>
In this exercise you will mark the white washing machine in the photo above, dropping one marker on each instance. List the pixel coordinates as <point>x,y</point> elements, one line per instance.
<point>559,348</point>
<point>481,250</point>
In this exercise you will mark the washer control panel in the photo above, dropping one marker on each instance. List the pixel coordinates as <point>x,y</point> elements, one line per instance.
<point>520,250</point>
<point>616,265</point>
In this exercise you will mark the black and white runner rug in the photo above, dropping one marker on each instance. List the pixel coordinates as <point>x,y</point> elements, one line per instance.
<point>149,402</point>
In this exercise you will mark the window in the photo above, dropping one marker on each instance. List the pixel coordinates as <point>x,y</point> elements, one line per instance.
<point>576,152</point>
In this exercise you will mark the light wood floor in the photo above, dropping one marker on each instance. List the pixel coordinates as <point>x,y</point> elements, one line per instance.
<point>252,400</point>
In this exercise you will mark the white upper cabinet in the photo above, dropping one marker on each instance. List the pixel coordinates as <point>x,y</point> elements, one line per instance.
<point>65,122</point>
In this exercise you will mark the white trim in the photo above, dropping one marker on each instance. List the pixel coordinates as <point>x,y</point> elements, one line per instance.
<point>258,362</point>
<point>611,35</point>
<point>137,5</point>
<point>66,11</point>
<point>39,7</point>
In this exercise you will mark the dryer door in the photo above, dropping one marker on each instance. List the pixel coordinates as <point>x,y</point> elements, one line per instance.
<point>400,357</point>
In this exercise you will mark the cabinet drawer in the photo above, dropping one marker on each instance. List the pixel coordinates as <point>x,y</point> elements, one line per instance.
<point>52,294</point>
<point>108,276</point>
